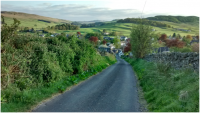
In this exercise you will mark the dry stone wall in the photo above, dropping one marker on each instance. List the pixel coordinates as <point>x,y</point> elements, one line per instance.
<point>177,60</point>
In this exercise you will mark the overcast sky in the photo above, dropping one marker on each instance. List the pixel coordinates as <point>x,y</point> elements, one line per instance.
<point>104,9</point>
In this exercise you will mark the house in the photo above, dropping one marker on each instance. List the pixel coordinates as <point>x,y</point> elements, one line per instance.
<point>193,41</point>
<point>55,34</point>
<point>104,48</point>
<point>42,35</point>
<point>106,38</point>
<point>106,33</point>
<point>162,49</point>
<point>112,38</point>
<point>123,44</point>
<point>123,38</point>
<point>108,43</point>
<point>111,46</point>
<point>115,50</point>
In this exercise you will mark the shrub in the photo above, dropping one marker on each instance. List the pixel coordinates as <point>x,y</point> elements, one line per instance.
<point>104,42</point>
<point>127,47</point>
<point>175,43</point>
<point>163,37</point>
<point>93,39</point>
<point>183,50</point>
<point>195,47</point>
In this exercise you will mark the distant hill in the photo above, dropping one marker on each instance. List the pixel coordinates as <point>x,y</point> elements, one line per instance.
<point>26,16</point>
<point>176,19</point>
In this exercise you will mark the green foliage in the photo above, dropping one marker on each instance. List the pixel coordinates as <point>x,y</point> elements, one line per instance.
<point>141,40</point>
<point>9,31</point>
<point>64,27</point>
<point>182,50</point>
<point>117,42</point>
<point>145,21</point>
<point>174,35</point>
<point>167,89</point>
<point>176,19</point>
<point>98,35</point>
<point>30,62</point>
<point>113,33</point>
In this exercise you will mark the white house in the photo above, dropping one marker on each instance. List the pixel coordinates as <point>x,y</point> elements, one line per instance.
<point>106,33</point>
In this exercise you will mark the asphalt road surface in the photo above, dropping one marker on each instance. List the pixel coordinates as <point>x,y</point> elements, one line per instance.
<point>112,90</point>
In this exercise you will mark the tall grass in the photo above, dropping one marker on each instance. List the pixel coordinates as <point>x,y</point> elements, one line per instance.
<point>167,89</point>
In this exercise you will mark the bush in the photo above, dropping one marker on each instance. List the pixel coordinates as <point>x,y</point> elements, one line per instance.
<point>183,50</point>
<point>33,63</point>
<point>195,47</point>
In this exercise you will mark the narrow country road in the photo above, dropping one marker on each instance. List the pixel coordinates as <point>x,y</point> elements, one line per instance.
<point>112,90</point>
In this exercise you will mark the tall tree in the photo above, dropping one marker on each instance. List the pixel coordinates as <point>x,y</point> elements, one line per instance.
<point>141,40</point>
<point>174,35</point>
<point>163,37</point>
<point>104,42</point>
<point>93,39</point>
<point>116,42</point>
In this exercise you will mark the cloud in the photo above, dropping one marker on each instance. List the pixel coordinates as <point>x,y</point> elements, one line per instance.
<point>45,4</point>
<point>76,12</point>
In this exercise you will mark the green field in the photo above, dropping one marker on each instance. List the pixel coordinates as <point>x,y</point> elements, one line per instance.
<point>30,20</point>
<point>124,29</point>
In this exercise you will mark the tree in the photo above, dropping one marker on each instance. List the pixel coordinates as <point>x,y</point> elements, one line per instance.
<point>104,42</point>
<point>26,29</point>
<point>113,34</point>
<point>141,40</point>
<point>93,39</point>
<point>88,35</point>
<point>197,37</point>
<point>2,18</point>
<point>78,33</point>
<point>189,37</point>
<point>127,47</point>
<point>163,37</point>
<point>186,40</point>
<point>116,42</point>
<point>174,35</point>
<point>178,36</point>
<point>195,47</point>
<point>175,43</point>
<point>9,31</point>
<point>104,30</point>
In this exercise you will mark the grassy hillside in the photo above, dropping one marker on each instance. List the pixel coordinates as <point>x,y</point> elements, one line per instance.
<point>31,20</point>
<point>124,28</point>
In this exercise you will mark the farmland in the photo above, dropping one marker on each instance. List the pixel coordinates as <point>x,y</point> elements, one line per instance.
<point>30,20</point>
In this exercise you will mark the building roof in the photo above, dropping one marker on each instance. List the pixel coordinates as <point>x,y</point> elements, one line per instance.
<point>161,49</point>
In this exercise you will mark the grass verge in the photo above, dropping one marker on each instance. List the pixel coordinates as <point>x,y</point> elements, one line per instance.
<point>166,89</point>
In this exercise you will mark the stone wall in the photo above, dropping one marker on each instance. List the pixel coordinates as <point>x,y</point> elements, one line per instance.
<point>177,60</point>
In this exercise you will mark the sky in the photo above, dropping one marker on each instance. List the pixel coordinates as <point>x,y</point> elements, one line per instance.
<point>82,10</point>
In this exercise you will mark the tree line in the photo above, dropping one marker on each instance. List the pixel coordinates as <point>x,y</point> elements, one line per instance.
<point>144,21</point>
<point>176,19</point>
<point>63,27</point>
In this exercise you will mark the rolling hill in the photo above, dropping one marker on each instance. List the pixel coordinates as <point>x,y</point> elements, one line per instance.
<point>32,20</point>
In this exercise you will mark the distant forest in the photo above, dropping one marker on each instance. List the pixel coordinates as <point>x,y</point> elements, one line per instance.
<point>144,21</point>
<point>176,19</point>
<point>64,27</point>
